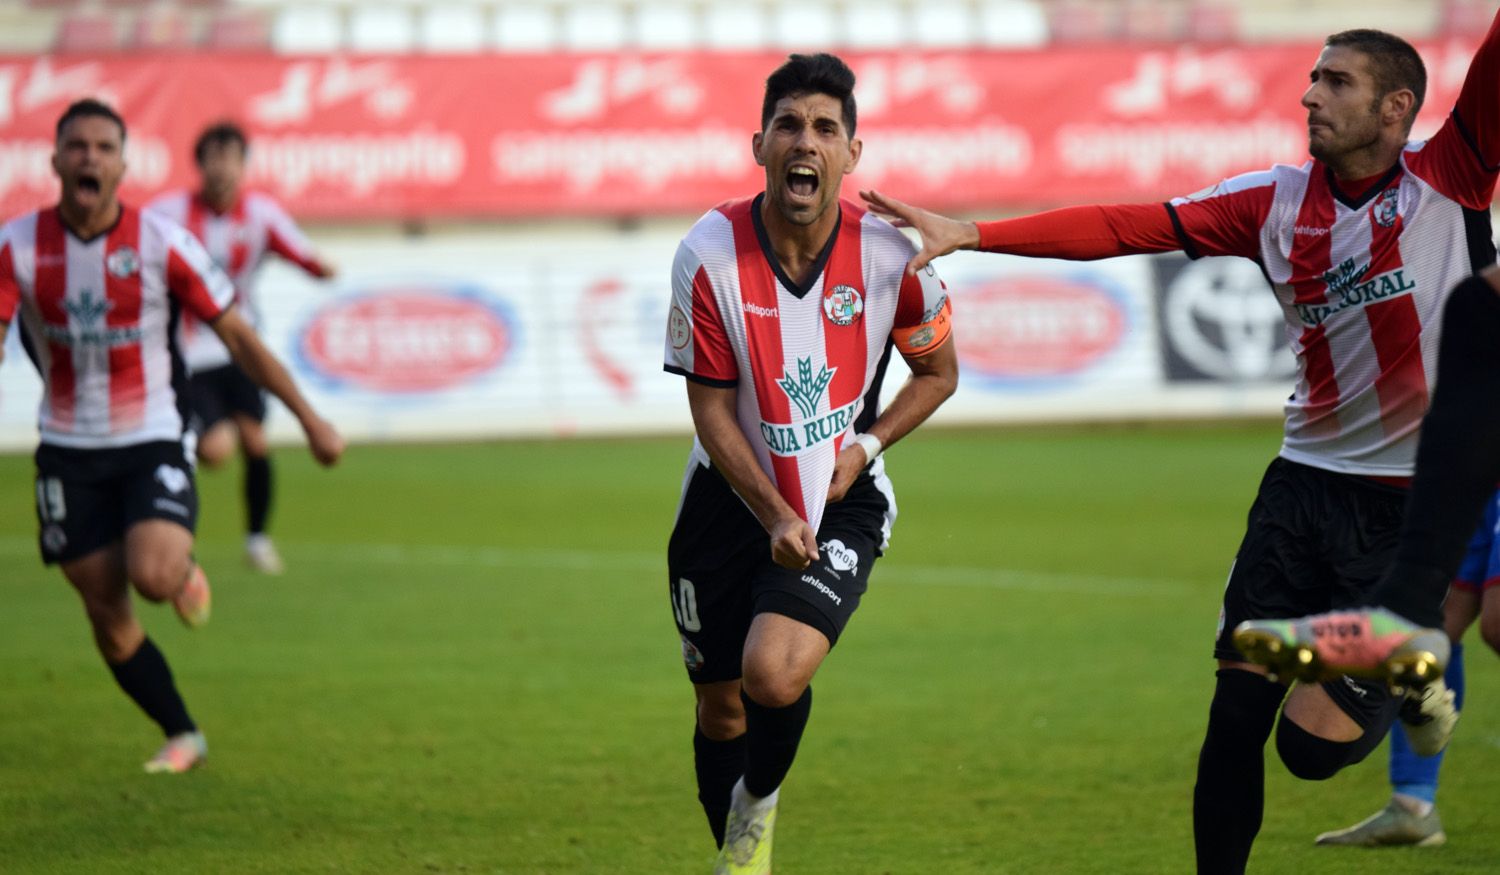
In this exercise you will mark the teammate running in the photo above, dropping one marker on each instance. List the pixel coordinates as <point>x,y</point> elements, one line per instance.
<point>98,285</point>
<point>239,229</point>
<point>1362,245</point>
<point>785,307</point>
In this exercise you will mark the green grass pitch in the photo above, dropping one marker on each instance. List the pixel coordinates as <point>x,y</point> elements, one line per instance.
<point>470,666</point>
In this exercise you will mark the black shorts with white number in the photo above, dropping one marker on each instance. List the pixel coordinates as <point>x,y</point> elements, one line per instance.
<point>721,574</point>
<point>1316,541</point>
<point>215,394</point>
<point>87,498</point>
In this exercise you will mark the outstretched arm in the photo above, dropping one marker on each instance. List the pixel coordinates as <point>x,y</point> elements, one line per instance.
<point>793,543</point>
<point>247,350</point>
<point>1075,233</point>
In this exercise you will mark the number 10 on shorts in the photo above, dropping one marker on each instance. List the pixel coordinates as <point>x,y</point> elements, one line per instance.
<point>685,605</point>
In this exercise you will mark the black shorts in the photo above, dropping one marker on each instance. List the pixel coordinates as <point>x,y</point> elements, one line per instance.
<point>720,573</point>
<point>215,394</point>
<point>87,499</point>
<point>1316,541</point>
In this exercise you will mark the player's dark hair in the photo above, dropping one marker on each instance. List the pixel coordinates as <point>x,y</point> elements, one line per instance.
<point>1393,63</point>
<point>89,108</point>
<point>219,134</point>
<point>811,74</point>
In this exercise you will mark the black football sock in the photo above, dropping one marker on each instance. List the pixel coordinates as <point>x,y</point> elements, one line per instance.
<point>257,494</point>
<point>1458,459</point>
<point>771,739</point>
<point>719,765</point>
<point>1230,794</point>
<point>146,678</point>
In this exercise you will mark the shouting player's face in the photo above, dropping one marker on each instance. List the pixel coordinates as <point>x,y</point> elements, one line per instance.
<point>89,161</point>
<point>1343,108</point>
<point>806,151</point>
<point>222,168</point>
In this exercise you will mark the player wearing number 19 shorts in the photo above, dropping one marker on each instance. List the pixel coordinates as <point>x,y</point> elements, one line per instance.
<point>98,286</point>
<point>785,309</point>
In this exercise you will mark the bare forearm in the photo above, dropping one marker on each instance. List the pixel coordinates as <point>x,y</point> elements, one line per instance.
<point>262,367</point>
<point>732,455</point>
<point>914,403</point>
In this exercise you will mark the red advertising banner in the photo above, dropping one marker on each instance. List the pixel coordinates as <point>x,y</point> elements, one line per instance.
<point>630,135</point>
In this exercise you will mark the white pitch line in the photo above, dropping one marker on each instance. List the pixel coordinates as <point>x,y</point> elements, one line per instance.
<point>890,572</point>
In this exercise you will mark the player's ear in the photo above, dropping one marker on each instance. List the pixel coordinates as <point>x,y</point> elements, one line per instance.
<point>856,147</point>
<point>1398,105</point>
<point>756,142</point>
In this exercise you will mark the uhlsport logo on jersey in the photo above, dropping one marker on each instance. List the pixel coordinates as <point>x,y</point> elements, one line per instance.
<point>843,305</point>
<point>1384,209</point>
<point>1347,287</point>
<point>806,392</point>
<point>1031,329</point>
<point>407,339</point>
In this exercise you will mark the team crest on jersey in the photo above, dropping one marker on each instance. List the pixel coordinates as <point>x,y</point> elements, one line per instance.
<point>54,538</point>
<point>843,305</point>
<point>679,328</point>
<point>692,657</point>
<point>1385,208</point>
<point>122,263</point>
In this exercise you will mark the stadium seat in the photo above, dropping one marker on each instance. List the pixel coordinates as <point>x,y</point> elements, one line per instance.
<point>162,29</point>
<point>667,25</point>
<point>1021,24</point>
<point>307,29</point>
<point>239,30</point>
<point>879,24</point>
<point>452,27</point>
<point>381,29</point>
<point>526,27</point>
<point>943,24</point>
<point>1082,21</point>
<point>594,27</point>
<point>1213,21</point>
<point>88,32</point>
<point>809,25</point>
<point>735,26</point>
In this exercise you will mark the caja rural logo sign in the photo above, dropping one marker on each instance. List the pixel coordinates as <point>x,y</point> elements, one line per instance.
<point>1035,328</point>
<point>407,339</point>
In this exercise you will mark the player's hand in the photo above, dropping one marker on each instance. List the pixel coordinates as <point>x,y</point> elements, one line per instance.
<point>846,467</point>
<point>327,270</point>
<point>940,234</point>
<point>323,440</point>
<point>793,543</point>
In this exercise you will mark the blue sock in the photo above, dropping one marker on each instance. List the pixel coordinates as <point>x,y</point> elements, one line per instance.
<point>1417,776</point>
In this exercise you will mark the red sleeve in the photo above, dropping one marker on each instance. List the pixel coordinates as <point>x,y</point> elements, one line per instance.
<point>1084,233</point>
<point>1226,219</point>
<point>10,290</point>
<point>194,288</point>
<point>713,358</point>
<point>303,258</point>
<point>1463,157</point>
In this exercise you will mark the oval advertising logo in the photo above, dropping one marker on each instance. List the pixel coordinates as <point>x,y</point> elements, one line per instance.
<point>1037,327</point>
<point>407,339</point>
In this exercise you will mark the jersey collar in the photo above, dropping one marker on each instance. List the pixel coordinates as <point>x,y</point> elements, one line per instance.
<point>796,289</point>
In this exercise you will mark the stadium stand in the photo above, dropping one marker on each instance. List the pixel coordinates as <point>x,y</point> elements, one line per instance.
<point>466,26</point>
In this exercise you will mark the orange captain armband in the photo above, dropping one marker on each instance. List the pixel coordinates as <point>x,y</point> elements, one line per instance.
<point>928,335</point>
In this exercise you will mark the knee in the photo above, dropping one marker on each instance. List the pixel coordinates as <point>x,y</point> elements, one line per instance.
<point>720,717</point>
<point>774,690</point>
<point>1306,755</point>
<point>159,576</point>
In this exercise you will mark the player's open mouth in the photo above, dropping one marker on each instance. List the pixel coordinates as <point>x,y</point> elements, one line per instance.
<point>88,182</point>
<point>802,181</point>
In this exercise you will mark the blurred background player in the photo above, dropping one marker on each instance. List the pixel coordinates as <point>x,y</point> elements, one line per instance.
<point>1411,817</point>
<point>785,307</point>
<point>239,229</point>
<point>115,499</point>
<point>1362,246</point>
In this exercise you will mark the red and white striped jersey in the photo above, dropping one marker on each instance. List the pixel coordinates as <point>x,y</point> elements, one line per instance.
<point>807,362</point>
<point>238,240</point>
<point>1361,280</point>
<point>96,317</point>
